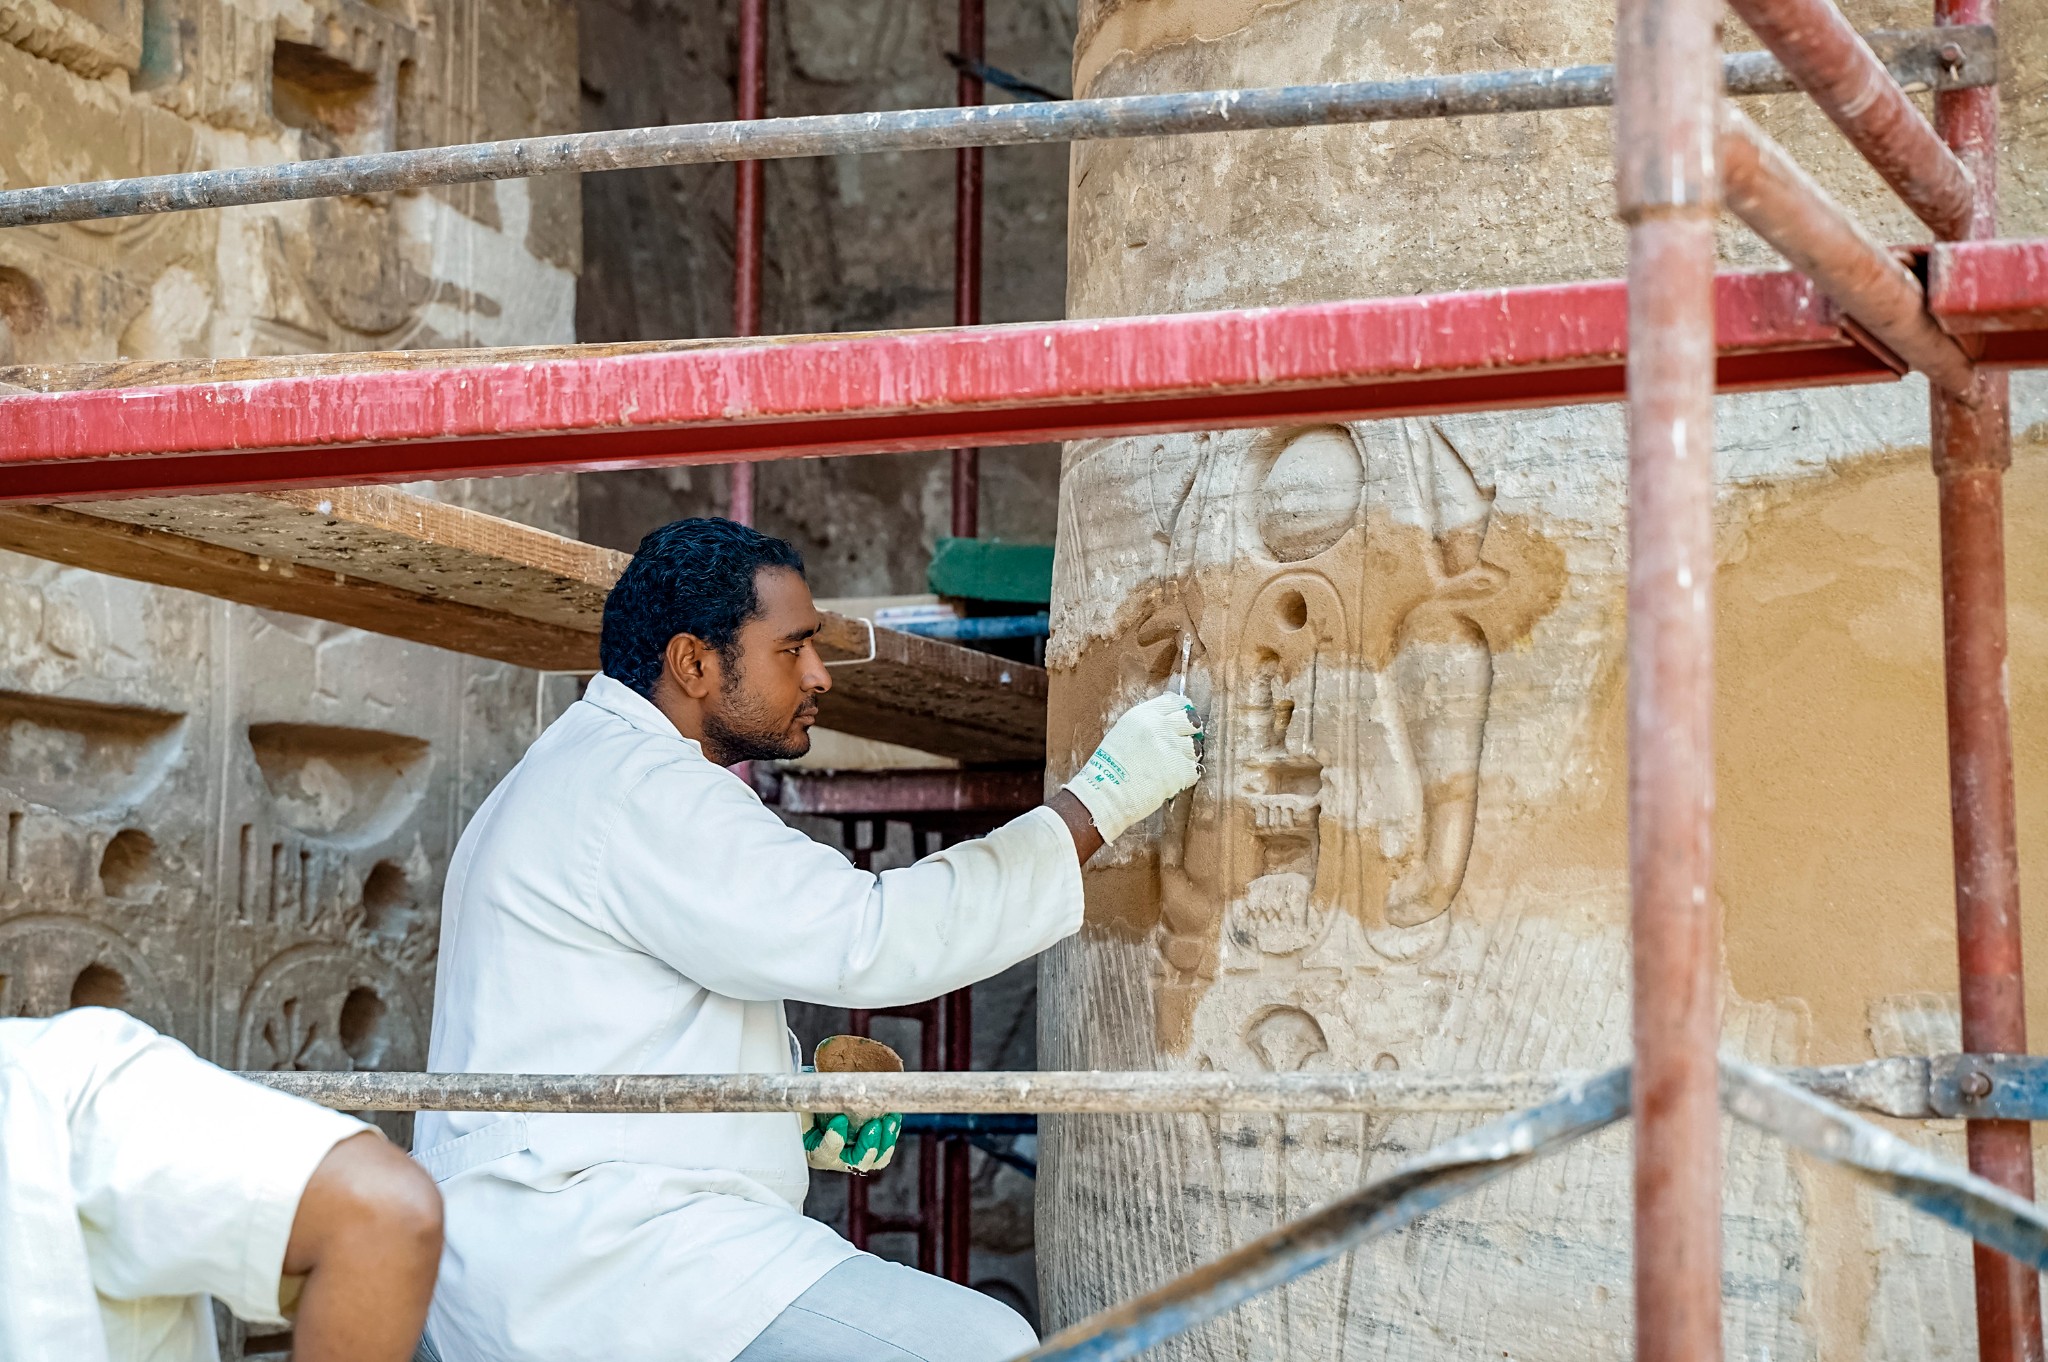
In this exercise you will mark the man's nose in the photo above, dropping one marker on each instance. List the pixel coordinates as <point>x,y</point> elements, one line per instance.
<point>817,678</point>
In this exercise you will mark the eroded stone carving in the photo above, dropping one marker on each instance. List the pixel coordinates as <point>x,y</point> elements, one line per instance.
<point>1338,587</point>
<point>345,785</point>
<point>328,1007</point>
<point>246,850</point>
<point>80,756</point>
<point>53,961</point>
<point>334,1007</point>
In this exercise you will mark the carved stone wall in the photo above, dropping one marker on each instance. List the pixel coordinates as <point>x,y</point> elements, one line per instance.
<point>1407,849</point>
<point>231,822</point>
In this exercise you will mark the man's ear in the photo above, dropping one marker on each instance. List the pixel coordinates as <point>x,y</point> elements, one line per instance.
<point>688,660</point>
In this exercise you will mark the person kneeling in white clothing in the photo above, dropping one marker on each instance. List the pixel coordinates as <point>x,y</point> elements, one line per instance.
<point>137,1181</point>
<point>622,903</point>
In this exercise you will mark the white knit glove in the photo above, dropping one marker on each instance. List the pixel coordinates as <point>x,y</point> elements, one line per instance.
<point>1147,758</point>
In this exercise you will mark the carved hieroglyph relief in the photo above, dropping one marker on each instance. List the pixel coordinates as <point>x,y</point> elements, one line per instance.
<point>207,83</point>
<point>1337,586</point>
<point>230,823</point>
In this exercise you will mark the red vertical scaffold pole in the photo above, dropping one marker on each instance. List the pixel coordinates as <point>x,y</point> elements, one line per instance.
<point>1972,449</point>
<point>750,89</point>
<point>967,260</point>
<point>957,1200</point>
<point>1667,93</point>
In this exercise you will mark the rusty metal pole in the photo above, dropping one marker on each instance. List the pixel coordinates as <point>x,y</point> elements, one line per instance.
<point>1972,449</point>
<point>751,100</point>
<point>862,1224</point>
<point>956,1198</point>
<point>1667,98</point>
<point>967,259</point>
<point>1837,67</point>
<point>1766,189</point>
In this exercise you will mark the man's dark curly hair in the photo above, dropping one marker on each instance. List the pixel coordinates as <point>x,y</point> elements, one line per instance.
<point>688,577</point>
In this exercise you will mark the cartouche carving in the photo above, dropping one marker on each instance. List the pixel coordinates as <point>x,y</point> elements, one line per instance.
<point>1344,663</point>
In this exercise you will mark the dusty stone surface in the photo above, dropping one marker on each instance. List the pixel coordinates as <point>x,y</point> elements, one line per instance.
<point>1408,848</point>
<point>231,822</point>
<point>853,243</point>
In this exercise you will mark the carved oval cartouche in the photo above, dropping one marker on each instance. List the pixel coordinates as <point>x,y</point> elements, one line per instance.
<point>1310,495</point>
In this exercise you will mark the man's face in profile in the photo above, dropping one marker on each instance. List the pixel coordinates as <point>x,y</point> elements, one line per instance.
<point>770,678</point>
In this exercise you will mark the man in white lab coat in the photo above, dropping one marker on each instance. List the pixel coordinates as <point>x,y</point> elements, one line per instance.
<point>623,904</point>
<point>137,1181</point>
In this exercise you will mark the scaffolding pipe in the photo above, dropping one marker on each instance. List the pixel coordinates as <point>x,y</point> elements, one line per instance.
<point>1915,58</point>
<point>927,1223</point>
<point>1971,449</point>
<point>750,99</point>
<point>936,1090</point>
<point>956,1203</point>
<point>1833,64</point>
<point>1901,1088</point>
<point>1667,102</point>
<point>1767,189</point>
<point>967,291</point>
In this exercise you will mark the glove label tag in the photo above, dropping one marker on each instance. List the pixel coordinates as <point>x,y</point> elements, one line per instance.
<point>1106,770</point>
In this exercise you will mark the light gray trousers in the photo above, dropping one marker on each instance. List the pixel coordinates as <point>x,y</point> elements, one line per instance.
<point>868,1310</point>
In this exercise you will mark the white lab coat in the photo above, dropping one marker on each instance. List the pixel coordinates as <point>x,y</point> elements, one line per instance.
<point>137,1180</point>
<point>621,905</point>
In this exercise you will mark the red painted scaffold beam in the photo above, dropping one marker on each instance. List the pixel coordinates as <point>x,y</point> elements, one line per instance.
<point>1997,289</point>
<point>1522,347</point>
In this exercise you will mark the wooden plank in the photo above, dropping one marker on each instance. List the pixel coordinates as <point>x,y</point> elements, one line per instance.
<point>937,697</point>
<point>398,564</point>
<point>402,540</point>
<point>148,554</point>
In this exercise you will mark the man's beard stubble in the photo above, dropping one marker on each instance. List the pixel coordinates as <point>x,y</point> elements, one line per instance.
<point>740,732</point>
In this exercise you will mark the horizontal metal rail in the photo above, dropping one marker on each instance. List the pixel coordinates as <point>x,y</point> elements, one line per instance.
<point>1994,291</point>
<point>1919,58</point>
<point>981,628</point>
<point>1766,189</point>
<point>963,387</point>
<point>1207,1093</point>
<point>1946,1191</point>
<point>1849,82</point>
<point>455,414</point>
<point>1903,1087</point>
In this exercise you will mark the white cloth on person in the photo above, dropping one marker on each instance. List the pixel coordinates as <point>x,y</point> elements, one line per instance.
<point>137,1181</point>
<point>868,1310</point>
<point>622,905</point>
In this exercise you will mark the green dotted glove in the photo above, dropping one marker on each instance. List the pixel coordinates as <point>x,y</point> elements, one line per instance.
<point>833,1145</point>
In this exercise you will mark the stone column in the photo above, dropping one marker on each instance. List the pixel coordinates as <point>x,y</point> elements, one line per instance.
<point>1407,850</point>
